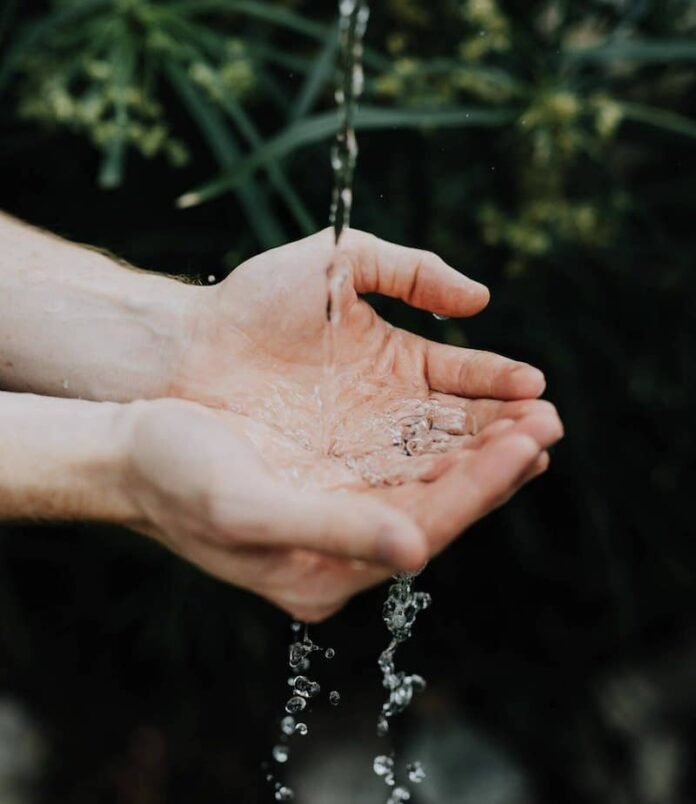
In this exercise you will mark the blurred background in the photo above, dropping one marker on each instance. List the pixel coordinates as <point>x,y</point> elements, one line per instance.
<point>544,147</point>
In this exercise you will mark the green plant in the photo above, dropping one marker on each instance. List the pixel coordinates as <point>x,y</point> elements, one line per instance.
<point>558,84</point>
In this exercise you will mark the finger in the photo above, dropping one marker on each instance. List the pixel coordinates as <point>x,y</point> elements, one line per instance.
<point>420,278</point>
<point>486,411</point>
<point>344,525</point>
<point>472,373</point>
<point>540,466</point>
<point>443,463</point>
<point>546,430</point>
<point>475,487</point>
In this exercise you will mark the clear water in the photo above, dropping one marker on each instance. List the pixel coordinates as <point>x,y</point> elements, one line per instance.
<point>303,690</point>
<point>402,606</point>
<point>407,432</point>
<point>353,18</point>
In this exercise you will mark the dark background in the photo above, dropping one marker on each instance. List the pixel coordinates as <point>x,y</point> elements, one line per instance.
<point>560,648</point>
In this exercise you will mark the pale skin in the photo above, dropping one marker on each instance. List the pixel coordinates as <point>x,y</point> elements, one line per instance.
<point>199,410</point>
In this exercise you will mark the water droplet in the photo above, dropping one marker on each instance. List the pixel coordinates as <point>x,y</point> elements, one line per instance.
<point>301,728</point>
<point>400,610</point>
<point>383,765</point>
<point>281,753</point>
<point>295,704</point>
<point>287,725</point>
<point>441,317</point>
<point>299,651</point>
<point>306,687</point>
<point>330,653</point>
<point>284,794</point>
<point>211,279</point>
<point>334,698</point>
<point>418,682</point>
<point>296,627</point>
<point>415,771</point>
<point>398,795</point>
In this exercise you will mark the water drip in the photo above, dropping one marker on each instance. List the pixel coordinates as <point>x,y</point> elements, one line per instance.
<point>399,613</point>
<point>303,690</point>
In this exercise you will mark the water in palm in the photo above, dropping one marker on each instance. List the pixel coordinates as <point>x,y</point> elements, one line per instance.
<point>412,428</point>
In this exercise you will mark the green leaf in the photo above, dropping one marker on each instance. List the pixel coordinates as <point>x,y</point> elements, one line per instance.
<point>226,151</point>
<point>269,12</point>
<point>653,51</point>
<point>660,118</point>
<point>124,60</point>
<point>36,32</point>
<point>276,174</point>
<point>494,76</point>
<point>322,126</point>
<point>253,8</point>
<point>320,73</point>
<point>217,45</point>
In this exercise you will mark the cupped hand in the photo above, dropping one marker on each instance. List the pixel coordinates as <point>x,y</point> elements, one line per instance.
<point>261,344</point>
<point>312,493</point>
<point>204,483</point>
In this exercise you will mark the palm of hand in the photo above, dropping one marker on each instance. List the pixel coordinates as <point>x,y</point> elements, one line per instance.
<point>267,342</point>
<point>259,354</point>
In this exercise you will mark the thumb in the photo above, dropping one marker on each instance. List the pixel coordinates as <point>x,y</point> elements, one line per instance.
<point>420,278</point>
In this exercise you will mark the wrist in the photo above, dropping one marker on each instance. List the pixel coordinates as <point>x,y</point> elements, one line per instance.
<point>63,460</point>
<point>74,322</point>
<point>163,316</point>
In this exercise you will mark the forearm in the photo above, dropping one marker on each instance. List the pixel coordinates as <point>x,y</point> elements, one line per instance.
<point>75,323</point>
<point>63,460</point>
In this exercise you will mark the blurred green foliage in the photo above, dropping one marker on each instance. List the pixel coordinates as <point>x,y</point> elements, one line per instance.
<point>544,147</point>
<point>560,85</point>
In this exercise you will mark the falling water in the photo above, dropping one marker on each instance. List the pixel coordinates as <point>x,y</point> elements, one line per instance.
<point>399,612</point>
<point>353,17</point>
<point>303,690</point>
<point>416,428</point>
<point>414,433</point>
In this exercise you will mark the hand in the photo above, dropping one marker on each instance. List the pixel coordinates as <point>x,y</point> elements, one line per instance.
<point>259,349</point>
<point>202,483</point>
<point>416,442</point>
<point>261,341</point>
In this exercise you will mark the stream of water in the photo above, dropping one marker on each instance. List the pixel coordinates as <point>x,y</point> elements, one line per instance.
<point>415,427</point>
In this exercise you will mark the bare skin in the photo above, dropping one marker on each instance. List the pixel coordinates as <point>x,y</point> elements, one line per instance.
<point>242,479</point>
<point>269,317</point>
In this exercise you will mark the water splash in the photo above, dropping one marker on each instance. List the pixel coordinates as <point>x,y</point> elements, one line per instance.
<point>303,690</point>
<point>426,429</point>
<point>399,612</point>
<point>353,18</point>
<point>405,440</point>
<point>415,772</point>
